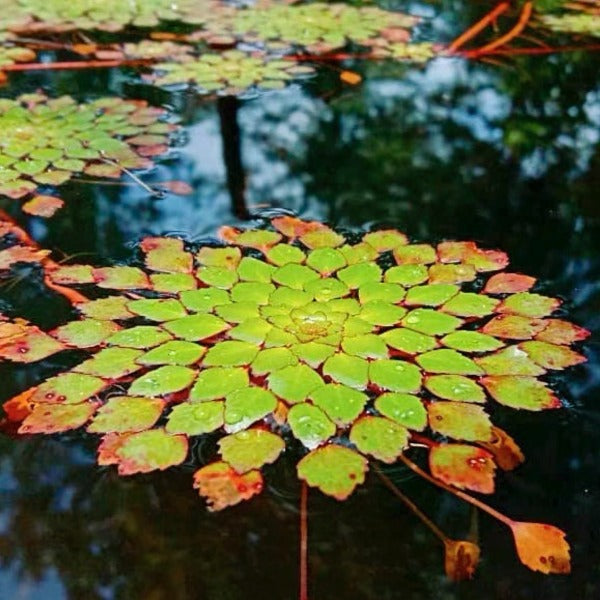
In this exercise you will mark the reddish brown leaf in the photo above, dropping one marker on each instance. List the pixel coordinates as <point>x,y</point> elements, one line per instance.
<point>461,559</point>
<point>562,332</point>
<point>222,486</point>
<point>19,407</point>
<point>508,283</point>
<point>56,418</point>
<point>30,347</point>
<point>293,227</point>
<point>507,454</point>
<point>180,188</point>
<point>43,206</point>
<point>463,466</point>
<point>154,150</point>
<point>551,356</point>
<point>17,254</point>
<point>541,547</point>
<point>514,327</point>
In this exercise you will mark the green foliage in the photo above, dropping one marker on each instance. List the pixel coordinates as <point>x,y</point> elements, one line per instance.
<point>46,141</point>
<point>296,342</point>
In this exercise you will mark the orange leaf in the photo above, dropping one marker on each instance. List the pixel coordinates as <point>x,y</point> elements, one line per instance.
<point>222,486</point>
<point>181,188</point>
<point>84,48</point>
<point>505,450</point>
<point>43,206</point>
<point>541,547</point>
<point>461,559</point>
<point>350,77</point>
<point>293,227</point>
<point>19,407</point>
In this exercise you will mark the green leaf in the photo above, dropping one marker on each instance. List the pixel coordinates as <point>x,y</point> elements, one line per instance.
<point>310,425</point>
<point>219,277</point>
<point>252,269</point>
<point>218,382</point>
<point>360,274</point>
<point>68,388</point>
<point>405,409</point>
<point>529,305</point>
<point>123,414</point>
<point>167,255</point>
<point>471,341</point>
<point>460,421</point>
<point>272,359</point>
<point>430,295</point>
<point>349,370</point>
<point>121,278</point>
<point>335,470</point>
<point>525,393</point>
<point>238,312</point>
<point>340,403</point>
<point>312,353</point>
<point>449,362</point>
<point>470,305</point>
<point>550,356</point>
<point>359,253</point>
<point>430,322</point>
<point>415,254</point>
<point>107,309</point>
<point>150,451</point>
<point>251,330</point>
<point>386,292</point>
<point>111,363</point>
<point>245,406</point>
<point>294,276</point>
<point>454,387</point>
<point>326,260</point>
<point>230,354</point>
<point>385,239</point>
<point>252,292</point>
<point>143,336</point>
<point>509,361</point>
<point>250,449</point>
<point>407,275</point>
<point>323,290</point>
<point>382,438</point>
<point>282,254</point>
<point>228,258</point>
<point>295,383</point>
<point>365,346</point>
<point>164,380</point>
<point>323,237</point>
<point>204,299</point>
<point>289,297</point>
<point>172,283</point>
<point>196,327</point>
<point>163,309</point>
<point>173,353</point>
<point>395,376</point>
<point>377,312</point>
<point>197,418</point>
<point>408,341</point>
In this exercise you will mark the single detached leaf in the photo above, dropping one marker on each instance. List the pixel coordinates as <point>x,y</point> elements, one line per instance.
<point>196,418</point>
<point>56,418</point>
<point>310,424</point>
<point>246,406</point>
<point>405,409</point>
<point>460,421</point>
<point>541,547</point>
<point>463,466</point>
<point>164,380</point>
<point>521,392</point>
<point>334,469</point>
<point>250,449</point>
<point>340,403</point>
<point>380,437</point>
<point>150,450</point>
<point>222,486</point>
<point>123,414</point>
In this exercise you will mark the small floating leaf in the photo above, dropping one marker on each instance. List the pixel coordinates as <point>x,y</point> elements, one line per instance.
<point>250,449</point>
<point>56,418</point>
<point>404,409</point>
<point>161,381</point>
<point>541,547</point>
<point>196,418</point>
<point>310,424</point>
<point>460,421</point>
<point>520,392</point>
<point>463,466</point>
<point>123,414</point>
<point>382,438</point>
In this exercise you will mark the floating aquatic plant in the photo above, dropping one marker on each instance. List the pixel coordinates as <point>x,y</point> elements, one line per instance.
<point>228,72</point>
<point>574,23</point>
<point>356,351</point>
<point>10,55</point>
<point>109,15</point>
<point>319,25</point>
<point>46,141</point>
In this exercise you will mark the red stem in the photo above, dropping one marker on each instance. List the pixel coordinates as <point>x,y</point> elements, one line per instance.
<point>304,542</point>
<point>75,64</point>
<point>470,33</point>
<point>510,35</point>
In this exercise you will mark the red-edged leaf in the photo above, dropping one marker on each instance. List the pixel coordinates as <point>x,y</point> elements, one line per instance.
<point>541,547</point>
<point>43,206</point>
<point>562,332</point>
<point>508,283</point>
<point>55,418</point>
<point>520,392</point>
<point>514,327</point>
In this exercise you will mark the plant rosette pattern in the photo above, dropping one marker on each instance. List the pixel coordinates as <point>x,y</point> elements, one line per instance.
<point>44,141</point>
<point>31,16</point>
<point>353,350</point>
<point>229,72</point>
<point>319,27</point>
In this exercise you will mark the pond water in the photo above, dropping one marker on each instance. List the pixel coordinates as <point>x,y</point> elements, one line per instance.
<point>505,152</point>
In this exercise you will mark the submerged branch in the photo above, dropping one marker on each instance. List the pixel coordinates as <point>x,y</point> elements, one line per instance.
<point>475,29</point>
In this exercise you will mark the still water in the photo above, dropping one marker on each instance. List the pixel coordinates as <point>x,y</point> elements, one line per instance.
<point>506,154</point>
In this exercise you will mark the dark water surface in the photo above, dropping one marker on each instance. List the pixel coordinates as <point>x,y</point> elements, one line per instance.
<point>507,155</point>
